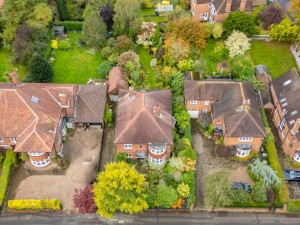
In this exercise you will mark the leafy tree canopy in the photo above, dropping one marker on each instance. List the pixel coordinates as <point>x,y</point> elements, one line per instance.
<point>40,70</point>
<point>285,31</point>
<point>271,14</point>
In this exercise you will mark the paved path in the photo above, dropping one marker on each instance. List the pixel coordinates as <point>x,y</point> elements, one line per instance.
<point>107,151</point>
<point>83,151</point>
<point>151,218</point>
<point>296,54</point>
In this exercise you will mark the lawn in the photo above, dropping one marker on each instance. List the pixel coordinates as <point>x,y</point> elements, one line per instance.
<point>77,65</point>
<point>145,59</point>
<point>275,55</point>
<point>6,65</point>
<point>149,15</point>
<point>210,45</point>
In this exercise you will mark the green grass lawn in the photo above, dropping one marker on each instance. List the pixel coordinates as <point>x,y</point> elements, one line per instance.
<point>210,45</point>
<point>149,16</point>
<point>6,65</point>
<point>145,59</point>
<point>77,65</point>
<point>275,55</point>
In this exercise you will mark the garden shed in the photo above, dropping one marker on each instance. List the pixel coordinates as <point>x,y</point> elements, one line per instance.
<point>263,75</point>
<point>59,30</point>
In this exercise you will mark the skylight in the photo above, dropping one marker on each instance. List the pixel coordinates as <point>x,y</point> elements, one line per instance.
<point>35,99</point>
<point>284,104</point>
<point>282,100</point>
<point>287,82</point>
<point>294,113</point>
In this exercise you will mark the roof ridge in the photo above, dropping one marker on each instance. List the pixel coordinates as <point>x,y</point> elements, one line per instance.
<point>251,117</point>
<point>43,140</point>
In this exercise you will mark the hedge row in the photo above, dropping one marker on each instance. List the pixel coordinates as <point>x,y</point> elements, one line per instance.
<point>9,164</point>
<point>270,147</point>
<point>70,25</point>
<point>36,204</point>
<point>293,206</point>
<point>62,9</point>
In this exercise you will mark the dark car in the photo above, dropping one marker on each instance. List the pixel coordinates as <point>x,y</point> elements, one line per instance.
<point>291,175</point>
<point>246,187</point>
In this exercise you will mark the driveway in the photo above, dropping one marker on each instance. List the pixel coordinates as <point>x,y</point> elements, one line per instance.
<point>209,162</point>
<point>83,151</point>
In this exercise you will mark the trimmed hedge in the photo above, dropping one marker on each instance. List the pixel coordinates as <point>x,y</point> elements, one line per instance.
<point>36,204</point>
<point>62,9</point>
<point>9,164</point>
<point>70,25</point>
<point>293,206</point>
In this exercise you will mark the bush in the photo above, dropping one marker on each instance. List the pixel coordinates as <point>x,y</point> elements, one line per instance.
<point>123,44</point>
<point>166,196</point>
<point>188,152</point>
<point>54,44</point>
<point>183,190</point>
<point>104,69</point>
<point>121,157</point>
<point>62,9</point>
<point>259,192</point>
<point>186,65</point>
<point>1,158</point>
<point>24,156</point>
<point>84,200</point>
<point>40,70</point>
<point>9,164</point>
<point>35,204</point>
<point>108,116</point>
<point>293,206</point>
<point>240,196</point>
<point>106,52</point>
<point>176,163</point>
<point>220,52</point>
<point>70,25</point>
<point>129,61</point>
<point>242,68</point>
<point>64,45</point>
<point>189,179</point>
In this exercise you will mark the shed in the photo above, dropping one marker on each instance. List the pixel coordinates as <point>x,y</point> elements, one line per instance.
<point>117,80</point>
<point>58,30</point>
<point>263,75</point>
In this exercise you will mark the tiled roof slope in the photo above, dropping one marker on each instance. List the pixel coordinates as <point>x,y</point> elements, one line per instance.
<point>136,123</point>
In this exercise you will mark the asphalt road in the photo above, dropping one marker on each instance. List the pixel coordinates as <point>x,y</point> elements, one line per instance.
<point>199,218</point>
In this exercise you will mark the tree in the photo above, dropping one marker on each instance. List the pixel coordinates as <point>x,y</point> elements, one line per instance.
<point>178,13</point>
<point>177,80</point>
<point>84,200</point>
<point>217,30</point>
<point>40,70</point>
<point>123,44</point>
<point>242,68</point>
<point>240,196</point>
<point>175,50</point>
<point>166,196</point>
<point>107,14</point>
<point>62,10</point>
<point>271,14</point>
<point>94,30</point>
<point>265,172</point>
<point>41,16</point>
<point>239,21</point>
<point>259,192</point>
<point>127,17</point>
<point>284,31</point>
<point>104,69</point>
<point>129,61</point>
<point>295,8</point>
<point>237,43</point>
<point>219,189</point>
<point>185,29</point>
<point>120,188</point>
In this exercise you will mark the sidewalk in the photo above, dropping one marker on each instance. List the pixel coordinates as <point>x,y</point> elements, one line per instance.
<point>296,54</point>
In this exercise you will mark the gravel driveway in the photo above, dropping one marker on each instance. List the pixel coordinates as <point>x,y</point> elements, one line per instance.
<point>83,152</point>
<point>208,162</point>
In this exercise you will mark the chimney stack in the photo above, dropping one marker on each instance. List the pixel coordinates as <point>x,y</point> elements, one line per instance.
<point>296,127</point>
<point>243,5</point>
<point>246,103</point>
<point>228,6</point>
<point>131,91</point>
<point>14,78</point>
<point>157,110</point>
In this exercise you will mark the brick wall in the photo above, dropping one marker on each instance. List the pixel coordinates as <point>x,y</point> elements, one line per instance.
<point>200,106</point>
<point>199,9</point>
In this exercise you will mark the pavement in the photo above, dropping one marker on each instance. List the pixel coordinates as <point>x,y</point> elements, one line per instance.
<point>296,53</point>
<point>151,218</point>
<point>83,151</point>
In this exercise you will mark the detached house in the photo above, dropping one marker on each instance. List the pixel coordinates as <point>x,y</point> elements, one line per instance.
<point>34,117</point>
<point>234,109</point>
<point>218,10</point>
<point>144,124</point>
<point>285,92</point>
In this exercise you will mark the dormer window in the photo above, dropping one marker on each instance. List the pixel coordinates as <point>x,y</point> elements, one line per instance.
<point>193,102</point>
<point>13,139</point>
<point>62,95</point>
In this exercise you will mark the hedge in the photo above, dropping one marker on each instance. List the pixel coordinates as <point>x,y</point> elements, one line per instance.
<point>36,204</point>
<point>293,206</point>
<point>70,25</point>
<point>62,9</point>
<point>9,164</point>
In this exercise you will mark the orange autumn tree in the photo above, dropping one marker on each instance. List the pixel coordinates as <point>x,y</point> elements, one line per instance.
<point>188,29</point>
<point>175,49</point>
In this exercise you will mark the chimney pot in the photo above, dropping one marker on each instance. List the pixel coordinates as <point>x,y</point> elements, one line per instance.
<point>14,77</point>
<point>296,126</point>
<point>157,110</point>
<point>131,91</point>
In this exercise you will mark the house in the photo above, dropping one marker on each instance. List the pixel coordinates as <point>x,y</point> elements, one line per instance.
<point>117,80</point>
<point>285,91</point>
<point>34,117</point>
<point>144,124</point>
<point>90,106</point>
<point>234,110</point>
<point>218,10</point>
<point>263,75</point>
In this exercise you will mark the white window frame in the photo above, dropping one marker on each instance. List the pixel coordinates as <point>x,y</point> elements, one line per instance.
<point>157,161</point>
<point>1,139</point>
<point>127,146</point>
<point>41,163</point>
<point>157,151</point>
<point>297,156</point>
<point>281,124</point>
<point>36,153</point>
<point>245,139</point>
<point>206,102</point>
<point>209,5</point>
<point>242,153</point>
<point>193,102</point>
<point>201,15</point>
<point>13,139</point>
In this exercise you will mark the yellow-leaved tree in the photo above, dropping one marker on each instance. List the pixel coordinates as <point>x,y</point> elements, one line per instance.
<point>120,188</point>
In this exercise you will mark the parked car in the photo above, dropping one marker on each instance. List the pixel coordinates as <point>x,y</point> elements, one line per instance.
<point>246,187</point>
<point>291,175</point>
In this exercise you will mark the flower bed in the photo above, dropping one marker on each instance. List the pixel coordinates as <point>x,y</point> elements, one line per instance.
<point>35,204</point>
